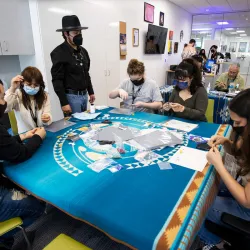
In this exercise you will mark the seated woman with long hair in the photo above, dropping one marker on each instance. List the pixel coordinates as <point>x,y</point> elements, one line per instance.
<point>234,170</point>
<point>189,98</point>
<point>27,97</point>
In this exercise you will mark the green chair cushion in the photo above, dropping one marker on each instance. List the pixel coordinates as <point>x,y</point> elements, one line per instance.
<point>210,111</point>
<point>64,242</point>
<point>9,225</point>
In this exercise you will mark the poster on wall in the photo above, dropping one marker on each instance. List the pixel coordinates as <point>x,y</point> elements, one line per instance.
<point>149,13</point>
<point>181,35</point>
<point>176,44</point>
<point>135,37</point>
<point>171,35</point>
<point>123,39</point>
<point>232,47</point>
<point>161,22</point>
<point>242,47</point>
<point>169,47</point>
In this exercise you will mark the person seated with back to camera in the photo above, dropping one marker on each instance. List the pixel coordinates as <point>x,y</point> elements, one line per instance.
<point>189,98</point>
<point>28,99</point>
<point>138,92</point>
<point>13,202</point>
<point>231,77</point>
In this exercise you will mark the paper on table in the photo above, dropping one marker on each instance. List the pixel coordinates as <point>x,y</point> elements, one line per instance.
<point>85,116</point>
<point>59,125</point>
<point>184,126</point>
<point>101,107</point>
<point>190,158</point>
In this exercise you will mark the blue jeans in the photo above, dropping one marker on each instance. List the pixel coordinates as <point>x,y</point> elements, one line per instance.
<point>78,103</point>
<point>224,202</point>
<point>14,203</point>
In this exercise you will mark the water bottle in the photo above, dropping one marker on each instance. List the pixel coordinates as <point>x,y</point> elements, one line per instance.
<point>92,108</point>
<point>231,88</point>
<point>208,87</point>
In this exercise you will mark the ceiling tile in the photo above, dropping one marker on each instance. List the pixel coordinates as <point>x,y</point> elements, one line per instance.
<point>220,5</point>
<point>239,5</point>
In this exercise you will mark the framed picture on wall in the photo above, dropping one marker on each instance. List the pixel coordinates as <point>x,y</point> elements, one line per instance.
<point>242,47</point>
<point>149,13</point>
<point>169,47</point>
<point>232,47</point>
<point>135,37</point>
<point>176,44</point>
<point>171,35</point>
<point>161,21</point>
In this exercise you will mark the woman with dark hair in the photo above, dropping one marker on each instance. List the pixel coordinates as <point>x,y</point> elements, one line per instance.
<point>203,55</point>
<point>27,97</point>
<point>234,197</point>
<point>189,98</point>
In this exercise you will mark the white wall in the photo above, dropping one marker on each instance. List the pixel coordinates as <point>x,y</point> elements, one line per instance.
<point>99,16</point>
<point>9,67</point>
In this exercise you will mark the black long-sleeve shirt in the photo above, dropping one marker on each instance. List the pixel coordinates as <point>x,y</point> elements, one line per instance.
<point>70,70</point>
<point>13,150</point>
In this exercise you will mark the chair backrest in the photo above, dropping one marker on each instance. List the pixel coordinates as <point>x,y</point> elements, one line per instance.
<point>13,122</point>
<point>210,111</point>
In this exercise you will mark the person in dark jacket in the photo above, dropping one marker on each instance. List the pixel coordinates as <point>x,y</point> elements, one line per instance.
<point>14,203</point>
<point>70,69</point>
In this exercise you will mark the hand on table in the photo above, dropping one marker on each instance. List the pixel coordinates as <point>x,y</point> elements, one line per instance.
<point>28,134</point>
<point>177,107</point>
<point>41,132</point>
<point>222,85</point>
<point>92,98</point>
<point>217,140</point>
<point>15,82</point>
<point>167,106</point>
<point>45,118</point>
<point>138,105</point>
<point>67,109</point>
<point>123,94</point>
<point>214,158</point>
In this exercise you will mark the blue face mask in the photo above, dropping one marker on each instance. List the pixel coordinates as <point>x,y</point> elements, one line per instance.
<point>181,85</point>
<point>31,91</point>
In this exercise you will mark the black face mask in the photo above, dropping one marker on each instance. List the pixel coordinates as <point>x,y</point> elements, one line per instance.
<point>77,40</point>
<point>239,130</point>
<point>138,82</point>
<point>212,50</point>
<point>2,109</point>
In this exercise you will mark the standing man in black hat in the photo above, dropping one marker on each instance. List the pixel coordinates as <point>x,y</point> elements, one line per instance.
<point>70,69</point>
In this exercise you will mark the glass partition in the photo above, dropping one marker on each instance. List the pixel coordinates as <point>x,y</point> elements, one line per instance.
<point>231,33</point>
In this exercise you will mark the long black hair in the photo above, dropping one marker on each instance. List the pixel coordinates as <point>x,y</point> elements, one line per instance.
<point>240,105</point>
<point>29,74</point>
<point>189,68</point>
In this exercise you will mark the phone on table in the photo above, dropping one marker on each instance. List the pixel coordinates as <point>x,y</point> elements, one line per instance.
<point>203,146</point>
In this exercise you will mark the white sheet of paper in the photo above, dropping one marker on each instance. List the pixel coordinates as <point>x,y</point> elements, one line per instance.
<point>85,116</point>
<point>184,126</point>
<point>190,158</point>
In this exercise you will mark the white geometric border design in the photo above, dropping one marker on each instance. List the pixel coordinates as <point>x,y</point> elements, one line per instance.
<point>61,160</point>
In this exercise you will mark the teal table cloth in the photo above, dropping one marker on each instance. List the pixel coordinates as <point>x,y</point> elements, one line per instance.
<point>141,206</point>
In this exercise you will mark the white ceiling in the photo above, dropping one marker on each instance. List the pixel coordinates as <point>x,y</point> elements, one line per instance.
<point>212,6</point>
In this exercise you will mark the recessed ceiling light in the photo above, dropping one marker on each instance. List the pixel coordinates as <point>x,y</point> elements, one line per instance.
<point>233,33</point>
<point>237,37</point>
<point>222,23</point>
<point>246,19</point>
<point>207,10</point>
<point>229,29</point>
<point>200,29</point>
<point>240,31</point>
<point>203,32</point>
<point>243,34</point>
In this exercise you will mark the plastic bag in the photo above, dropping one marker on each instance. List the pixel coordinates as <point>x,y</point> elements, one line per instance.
<point>146,157</point>
<point>119,144</point>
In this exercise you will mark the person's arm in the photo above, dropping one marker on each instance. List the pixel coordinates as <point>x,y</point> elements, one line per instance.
<point>156,98</point>
<point>89,83</point>
<point>120,91</point>
<point>201,104</point>
<point>241,83</point>
<point>57,73</point>
<point>152,105</point>
<point>241,194</point>
<point>13,150</point>
<point>219,81</point>
<point>11,98</point>
<point>114,94</point>
<point>47,110</point>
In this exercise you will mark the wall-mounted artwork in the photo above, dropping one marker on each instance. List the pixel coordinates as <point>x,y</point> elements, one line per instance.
<point>176,45</point>
<point>242,47</point>
<point>135,37</point>
<point>181,35</point>
<point>169,47</point>
<point>149,13</point>
<point>161,21</point>
<point>123,39</point>
<point>171,35</point>
<point>233,47</point>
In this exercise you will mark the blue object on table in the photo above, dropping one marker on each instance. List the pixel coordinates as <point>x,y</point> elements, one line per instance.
<point>209,64</point>
<point>136,205</point>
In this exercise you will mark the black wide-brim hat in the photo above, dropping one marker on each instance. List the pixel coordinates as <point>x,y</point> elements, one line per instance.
<point>70,23</point>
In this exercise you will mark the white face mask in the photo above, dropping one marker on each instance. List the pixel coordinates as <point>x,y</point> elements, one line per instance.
<point>31,91</point>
